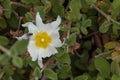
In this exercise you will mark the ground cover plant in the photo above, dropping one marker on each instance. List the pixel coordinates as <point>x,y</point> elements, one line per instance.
<point>59,39</point>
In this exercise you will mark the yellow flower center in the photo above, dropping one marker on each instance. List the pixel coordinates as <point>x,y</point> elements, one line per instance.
<point>42,39</point>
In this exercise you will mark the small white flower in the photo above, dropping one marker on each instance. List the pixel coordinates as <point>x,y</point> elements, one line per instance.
<point>44,39</point>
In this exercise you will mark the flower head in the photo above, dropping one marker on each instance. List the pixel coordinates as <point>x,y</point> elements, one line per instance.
<point>44,39</point>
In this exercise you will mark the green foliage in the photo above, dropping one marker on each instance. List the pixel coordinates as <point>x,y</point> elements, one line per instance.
<point>29,1</point>
<point>115,68</point>
<point>3,24</point>
<point>65,58</point>
<point>37,72</point>
<point>104,27</point>
<point>3,40</point>
<point>82,77</point>
<point>4,59</point>
<point>51,74</point>
<point>99,78</point>
<point>28,16</point>
<point>90,2</point>
<point>115,77</point>
<point>115,8</point>
<point>102,66</point>
<point>72,39</point>
<point>75,6</point>
<point>13,22</point>
<point>111,45</point>
<point>84,25</point>
<point>57,7</point>
<point>89,31</point>
<point>41,10</point>
<point>64,71</point>
<point>7,6</point>
<point>115,29</point>
<point>19,47</point>
<point>17,62</point>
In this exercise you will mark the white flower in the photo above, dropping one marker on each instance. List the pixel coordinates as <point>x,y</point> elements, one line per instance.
<point>44,39</point>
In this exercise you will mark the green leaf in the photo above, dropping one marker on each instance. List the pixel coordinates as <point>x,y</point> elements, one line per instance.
<point>75,29</point>
<point>72,39</point>
<point>29,1</point>
<point>28,16</point>
<point>8,70</point>
<point>65,58</point>
<point>104,27</point>
<point>64,71</point>
<point>99,77</point>
<point>115,28</point>
<point>90,2</point>
<point>4,59</point>
<point>7,77</point>
<point>74,14</point>
<point>3,24</point>
<point>85,56</point>
<point>115,77</point>
<point>74,5</point>
<point>26,1</point>
<point>34,1</point>
<point>63,27</point>
<point>84,30</point>
<point>102,66</point>
<point>57,7</point>
<point>62,50</point>
<point>3,40</point>
<point>19,47</point>
<point>111,45</point>
<point>41,10</point>
<point>48,5</point>
<point>31,63</point>
<point>17,62</point>
<point>7,6</point>
<point>13,22</point>
<point>80,65</point>
<point>86,23</point>
<point>92,67</point>
<point>82,77</point>
<point>115,67</point>
<point>88,45</point>
<point>51,74</point>
<point>37,72</point>
<point>115,8</point>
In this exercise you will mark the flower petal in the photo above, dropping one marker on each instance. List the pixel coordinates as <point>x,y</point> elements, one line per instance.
<point>33,50</point>
<point>47,28</point>
<point>39,22</point>
<point>47,52</point>
<point>55,39</point>
<point>40,63</point>
<point>55,34</point>
<point>31,27</point>
<point>56,42</point>
<point>22,37</point>
<point>56,23</point>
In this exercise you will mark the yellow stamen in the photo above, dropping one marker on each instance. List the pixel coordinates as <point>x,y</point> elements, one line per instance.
<point>42,39</point>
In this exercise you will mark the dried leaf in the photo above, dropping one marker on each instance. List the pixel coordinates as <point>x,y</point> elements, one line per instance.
<point>73,48</point>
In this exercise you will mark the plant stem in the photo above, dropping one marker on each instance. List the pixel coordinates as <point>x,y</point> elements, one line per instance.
<point>19,4</point>
<point>105,15</point>
<point>48,63</point>
<point>4,50</point>
<point>100,11</point>
<point>104,53</point>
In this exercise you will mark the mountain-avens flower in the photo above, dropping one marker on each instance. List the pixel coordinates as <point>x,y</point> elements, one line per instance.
<point>44,39</point>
